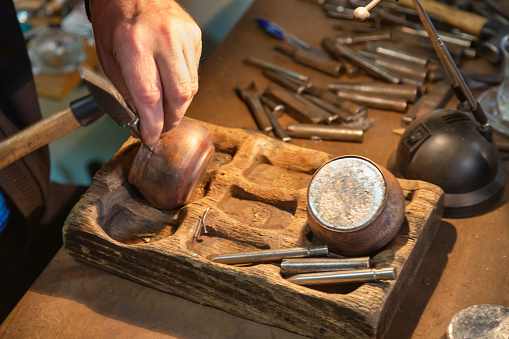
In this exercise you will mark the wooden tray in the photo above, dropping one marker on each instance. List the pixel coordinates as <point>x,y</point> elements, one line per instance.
<point>256,188</point>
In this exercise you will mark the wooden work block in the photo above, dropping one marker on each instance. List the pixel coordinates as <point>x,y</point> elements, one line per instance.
<point>256,190</point>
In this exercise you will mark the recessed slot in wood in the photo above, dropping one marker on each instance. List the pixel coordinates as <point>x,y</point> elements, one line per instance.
<point>267,174</point>
<point>221,157</point>
<point>255,211</point>
<point>130,220</point>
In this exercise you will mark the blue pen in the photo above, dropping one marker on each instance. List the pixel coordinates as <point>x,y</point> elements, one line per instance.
<point>281,34</point>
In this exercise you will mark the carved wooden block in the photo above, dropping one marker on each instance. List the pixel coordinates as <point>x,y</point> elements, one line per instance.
<point>256,190</point>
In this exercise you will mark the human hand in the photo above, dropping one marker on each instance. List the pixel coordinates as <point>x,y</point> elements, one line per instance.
<point>150,50</point>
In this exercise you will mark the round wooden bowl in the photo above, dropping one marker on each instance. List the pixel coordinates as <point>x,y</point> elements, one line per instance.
<point>169,176</point>
<point>354,205</point>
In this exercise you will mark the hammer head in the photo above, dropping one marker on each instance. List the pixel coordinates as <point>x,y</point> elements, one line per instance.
<point>107,97</point>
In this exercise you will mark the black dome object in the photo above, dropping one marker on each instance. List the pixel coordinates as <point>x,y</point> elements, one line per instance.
<point>447,148</point>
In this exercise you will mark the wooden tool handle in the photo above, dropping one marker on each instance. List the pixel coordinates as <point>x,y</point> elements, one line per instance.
<point>466,21</point>
<point>37,135</point>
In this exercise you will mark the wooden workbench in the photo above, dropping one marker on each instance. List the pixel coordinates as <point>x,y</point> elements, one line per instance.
<point>467,263</point>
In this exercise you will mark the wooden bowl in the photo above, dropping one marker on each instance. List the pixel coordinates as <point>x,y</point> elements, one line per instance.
<point>169,176</point>
<point>354,205</point>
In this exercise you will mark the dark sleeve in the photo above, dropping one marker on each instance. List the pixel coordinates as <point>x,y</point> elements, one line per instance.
<point>24,182</point>
<point>87,8</point>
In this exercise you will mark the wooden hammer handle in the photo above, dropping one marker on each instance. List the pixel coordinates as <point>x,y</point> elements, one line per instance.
<point>37,135</point>
<point>466,21</point>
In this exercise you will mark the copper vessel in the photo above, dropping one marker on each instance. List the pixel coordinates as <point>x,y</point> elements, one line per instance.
<point>354,205</point>
<point>169,176</point>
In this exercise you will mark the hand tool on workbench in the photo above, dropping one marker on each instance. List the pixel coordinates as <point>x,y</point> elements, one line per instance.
<point>304,57</point>
<point>276,68</point>
<point>314,265</point>
<point>395,18</point>
<point>103,98</point>
<point>422,46</point>
<point>270,255</point>
<point>391,103</point>
<point>340,10</point>
<point>346,105</point>
<point>364,63</point>
<point>338,114</point>
<point>343,277</point>
<point>373,100</point>
<point>410,73</point>
<point>285,81</point>
<point>325,132</point>
<point>403,61</point>
<point>277,129</point>
<point>457,46</point>
<point>358,27</point>
<point>351,70</point>
<point>463,44</point>
<point>277,109</point>
<point>251,97</point>
<point>491,31</point>
<point>405,91</point>
<point>352,39</point>
<point>411,49</point>
<point>385,102</point>
<point>383,96</point>
<point>400,52</point>
<point>297,107</point>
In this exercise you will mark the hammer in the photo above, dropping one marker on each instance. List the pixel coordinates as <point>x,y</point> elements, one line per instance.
<point>103,98</point>
<point>490,30</point>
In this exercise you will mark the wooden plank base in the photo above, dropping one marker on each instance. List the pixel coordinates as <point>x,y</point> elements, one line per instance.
<point>256,189</point>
